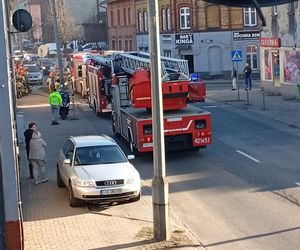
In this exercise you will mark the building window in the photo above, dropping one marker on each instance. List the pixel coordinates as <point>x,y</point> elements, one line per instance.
<point>251,56</point>
<point>274,10</point>
<point>124,16</point>
<point>250,17</point>
<point>145,19</point>
<point>167,53</point>
<point>112,18</point>
<point>140,22</point>
<point>120,45</point>
<point>130,45</point>
<point>113,44</point>
<point>163,19</point>
<point>126,45</point>
<point>185,20</point>
<point>119,18</point>
<point>129,16</point>
<point>291,16</point>
<point>168,19</point>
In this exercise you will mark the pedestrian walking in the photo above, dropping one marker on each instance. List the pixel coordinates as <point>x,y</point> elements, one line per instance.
<point>233,77</point>
<point>28,135</point>
<point>55,102</point>
<point>247,75</point>
<point>37,156</point>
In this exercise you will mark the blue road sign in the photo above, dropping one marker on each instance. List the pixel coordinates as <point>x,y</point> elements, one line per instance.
<point>236,55</point>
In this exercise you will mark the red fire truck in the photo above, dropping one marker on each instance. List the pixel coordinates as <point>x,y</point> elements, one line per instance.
<point>185,126</point>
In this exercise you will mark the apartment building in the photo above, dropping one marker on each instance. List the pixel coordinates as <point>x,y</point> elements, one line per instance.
<point>202,33</point>
<point>279,50</point>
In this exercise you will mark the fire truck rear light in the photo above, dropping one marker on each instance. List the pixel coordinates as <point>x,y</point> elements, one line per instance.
<point>147,129</point>
<point>202,133</point>
<point>200,124</point>
<point>148,139</point>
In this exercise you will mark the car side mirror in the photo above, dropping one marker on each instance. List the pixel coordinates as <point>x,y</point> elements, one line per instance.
<point>130,157</point>
<point>67,161</point>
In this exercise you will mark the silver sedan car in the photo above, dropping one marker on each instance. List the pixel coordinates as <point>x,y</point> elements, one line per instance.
<point>95,169</point>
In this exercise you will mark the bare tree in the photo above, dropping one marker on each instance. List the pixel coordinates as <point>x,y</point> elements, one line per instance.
<point>67,28</point>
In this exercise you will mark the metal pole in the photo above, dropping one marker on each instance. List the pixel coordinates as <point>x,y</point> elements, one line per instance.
<point>263,95</point>
<point>159,182</point>
<point>57,41</point>
<point>237,80</point>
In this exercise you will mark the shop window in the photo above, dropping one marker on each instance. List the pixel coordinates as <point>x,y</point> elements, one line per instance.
<point>251,56</point>
<point>120,45</point>
<point>126,45</point>
<point>163,19</point>
<point>167,53</point>
<point>113,44</point>
<point>140,22</point>
<point>250,18</point>
<point>185,18</point>
<point>130,45</point>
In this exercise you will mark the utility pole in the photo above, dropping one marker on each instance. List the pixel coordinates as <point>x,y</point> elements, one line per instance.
<point>160,198</point>
<point>57,41</point>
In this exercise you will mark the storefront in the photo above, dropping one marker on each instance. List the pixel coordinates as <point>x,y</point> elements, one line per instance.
<point>281,72</point>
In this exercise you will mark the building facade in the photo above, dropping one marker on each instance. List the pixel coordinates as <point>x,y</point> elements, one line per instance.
<point>121,25</point>
<point>202,33</point>
<point>279,50</point>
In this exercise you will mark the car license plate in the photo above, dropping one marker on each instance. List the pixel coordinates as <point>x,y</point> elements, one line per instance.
<point>111,191</point>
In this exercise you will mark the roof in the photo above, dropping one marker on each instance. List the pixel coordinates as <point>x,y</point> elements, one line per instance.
<point>92,140</point>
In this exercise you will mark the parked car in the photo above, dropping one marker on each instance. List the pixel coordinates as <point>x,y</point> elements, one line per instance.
<point>95,169</point>
<point>34,75</point>
<point>44,64</point>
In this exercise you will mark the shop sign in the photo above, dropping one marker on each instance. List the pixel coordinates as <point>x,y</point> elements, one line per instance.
<point>270,42</point>
<point>184,39</point>
<point>246,35</point>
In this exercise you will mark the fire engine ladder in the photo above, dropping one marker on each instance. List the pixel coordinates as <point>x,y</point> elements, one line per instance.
<point>171,68</point>
<point>100,59</point>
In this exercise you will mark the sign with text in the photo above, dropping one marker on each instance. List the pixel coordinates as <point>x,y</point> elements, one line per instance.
<point>246,35</point>
<point>184,39</point>
<point>270,42</point>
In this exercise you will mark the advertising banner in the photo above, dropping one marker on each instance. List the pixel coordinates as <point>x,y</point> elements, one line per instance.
<point>291,65</point>
<point>267,65</point>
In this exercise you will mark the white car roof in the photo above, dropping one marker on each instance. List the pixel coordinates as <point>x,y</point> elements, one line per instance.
<point>93,140</point>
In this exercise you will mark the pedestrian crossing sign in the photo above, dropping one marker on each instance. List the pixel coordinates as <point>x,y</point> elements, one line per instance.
<point>236,55</point>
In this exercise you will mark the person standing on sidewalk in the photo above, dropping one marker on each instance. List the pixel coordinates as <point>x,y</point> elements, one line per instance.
<point>37,155</point>
<point>247,75</point>
<point>55,102</point>
<point>28,135</point>
<point>233,77</point>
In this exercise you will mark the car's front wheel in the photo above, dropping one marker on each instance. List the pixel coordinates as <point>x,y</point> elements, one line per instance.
<point>74,202</point>
<point>59,180</point>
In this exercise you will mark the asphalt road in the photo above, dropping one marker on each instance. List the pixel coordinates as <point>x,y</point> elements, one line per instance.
<point>236,194</point>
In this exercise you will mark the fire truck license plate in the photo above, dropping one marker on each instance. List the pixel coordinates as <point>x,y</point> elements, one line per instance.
<point>202,140</point>
<point>110,191</point>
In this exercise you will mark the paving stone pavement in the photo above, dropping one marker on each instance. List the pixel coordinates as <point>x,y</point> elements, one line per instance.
<point>49,222</point>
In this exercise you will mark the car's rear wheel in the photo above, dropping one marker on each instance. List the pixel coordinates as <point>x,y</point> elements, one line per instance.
<point>74,202</point>
<point>59,180</point>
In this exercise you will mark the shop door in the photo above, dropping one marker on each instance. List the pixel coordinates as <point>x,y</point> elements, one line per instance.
<point>276,69</point>
<point>190,59</point>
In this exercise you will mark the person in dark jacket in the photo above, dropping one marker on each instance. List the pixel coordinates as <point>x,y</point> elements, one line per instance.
<point>247,75</point>
<point>28,135</point>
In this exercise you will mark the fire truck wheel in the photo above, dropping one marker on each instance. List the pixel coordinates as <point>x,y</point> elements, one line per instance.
<point>131,146</point>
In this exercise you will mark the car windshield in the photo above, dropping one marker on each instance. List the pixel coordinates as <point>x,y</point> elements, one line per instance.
<point>32,69</point>
<point>98,155</point>
<point>47,62</point>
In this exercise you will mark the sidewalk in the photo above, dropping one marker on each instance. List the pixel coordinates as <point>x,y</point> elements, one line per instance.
<point>49,222</point>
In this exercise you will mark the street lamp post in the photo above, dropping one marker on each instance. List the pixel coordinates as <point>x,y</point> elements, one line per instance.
<point>159,181</point>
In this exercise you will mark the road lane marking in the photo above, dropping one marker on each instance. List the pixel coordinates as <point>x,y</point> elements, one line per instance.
<point>248,156</point>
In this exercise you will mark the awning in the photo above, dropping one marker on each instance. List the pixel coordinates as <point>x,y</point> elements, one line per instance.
<point>183,47</point>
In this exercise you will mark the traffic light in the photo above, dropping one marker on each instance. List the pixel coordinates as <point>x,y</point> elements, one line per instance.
<point>257,4</point>
<point>79,71</point>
